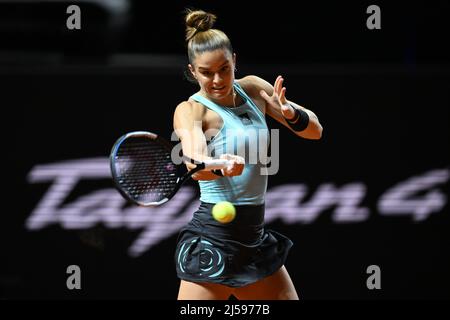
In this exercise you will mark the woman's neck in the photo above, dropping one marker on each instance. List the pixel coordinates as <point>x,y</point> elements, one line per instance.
<point>231,101</point>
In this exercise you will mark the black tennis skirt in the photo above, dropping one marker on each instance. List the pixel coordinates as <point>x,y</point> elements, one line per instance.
<point>234,254</point>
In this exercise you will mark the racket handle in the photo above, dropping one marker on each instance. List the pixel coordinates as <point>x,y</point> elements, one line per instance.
<point>215,164</point>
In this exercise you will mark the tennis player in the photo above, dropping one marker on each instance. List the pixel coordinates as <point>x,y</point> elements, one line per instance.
<point>242,258</point>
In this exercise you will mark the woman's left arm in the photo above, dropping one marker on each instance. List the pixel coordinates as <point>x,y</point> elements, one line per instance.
<point>303,122</point>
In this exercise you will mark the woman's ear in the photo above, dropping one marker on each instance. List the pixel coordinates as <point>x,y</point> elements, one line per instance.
<point>192,70</point>
<point>234,60</point>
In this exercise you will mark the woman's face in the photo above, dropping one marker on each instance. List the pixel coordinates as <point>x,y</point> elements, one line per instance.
<point>214,71</point>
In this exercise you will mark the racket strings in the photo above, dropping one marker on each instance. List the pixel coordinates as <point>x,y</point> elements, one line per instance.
<point>145,170</point>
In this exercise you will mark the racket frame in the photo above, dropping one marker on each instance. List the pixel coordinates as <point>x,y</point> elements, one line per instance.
<point>181,179</point>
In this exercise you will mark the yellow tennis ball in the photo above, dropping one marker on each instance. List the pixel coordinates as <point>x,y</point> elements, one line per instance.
<point>224,212</point>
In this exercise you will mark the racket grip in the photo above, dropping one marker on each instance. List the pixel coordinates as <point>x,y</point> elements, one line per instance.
<point>215,164</point>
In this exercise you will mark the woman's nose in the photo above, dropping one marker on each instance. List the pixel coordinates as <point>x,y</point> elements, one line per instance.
<point>217,78</point>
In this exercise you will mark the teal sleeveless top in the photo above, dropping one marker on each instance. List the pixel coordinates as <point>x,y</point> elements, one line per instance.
<point>244,133</point>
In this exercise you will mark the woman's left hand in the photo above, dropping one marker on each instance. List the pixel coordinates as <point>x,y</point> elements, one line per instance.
<point>278,99</point>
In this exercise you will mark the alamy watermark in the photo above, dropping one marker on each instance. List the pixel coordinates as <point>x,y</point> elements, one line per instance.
<point>374,280</point>
<point>74,20</point>
<point>374,20</point>
<point>251,144</point>
<point>74,280</point>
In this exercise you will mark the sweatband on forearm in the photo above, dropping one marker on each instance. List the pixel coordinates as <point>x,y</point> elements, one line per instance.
<point>217,172</point>
<point>300,121</point>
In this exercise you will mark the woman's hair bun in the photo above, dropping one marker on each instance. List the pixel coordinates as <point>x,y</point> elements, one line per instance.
<point>198,21</point>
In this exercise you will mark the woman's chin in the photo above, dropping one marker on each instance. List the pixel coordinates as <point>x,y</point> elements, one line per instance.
<point>221,93</point>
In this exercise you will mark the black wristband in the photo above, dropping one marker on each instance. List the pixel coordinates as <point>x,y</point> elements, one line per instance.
<point>300,121</point>
<point>217,172</point>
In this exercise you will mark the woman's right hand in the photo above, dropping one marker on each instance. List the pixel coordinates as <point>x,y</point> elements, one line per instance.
<point>236,167</point>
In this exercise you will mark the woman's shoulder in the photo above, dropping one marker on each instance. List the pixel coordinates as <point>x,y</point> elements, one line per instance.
<point>252,85</point>
<point>190,107</point>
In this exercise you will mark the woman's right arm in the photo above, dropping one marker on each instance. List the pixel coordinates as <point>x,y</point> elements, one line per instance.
<point>188,126</point>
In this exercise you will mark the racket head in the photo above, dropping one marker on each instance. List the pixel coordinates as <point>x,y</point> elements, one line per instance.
<point>143,170</point>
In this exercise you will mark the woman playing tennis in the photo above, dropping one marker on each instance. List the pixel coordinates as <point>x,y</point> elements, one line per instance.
<point>242,258</point>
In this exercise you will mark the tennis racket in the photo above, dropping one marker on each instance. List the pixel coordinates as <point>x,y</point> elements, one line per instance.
<point>143,170</point>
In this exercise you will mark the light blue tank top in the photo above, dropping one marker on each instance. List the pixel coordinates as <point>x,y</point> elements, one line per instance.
<point>244,133</point>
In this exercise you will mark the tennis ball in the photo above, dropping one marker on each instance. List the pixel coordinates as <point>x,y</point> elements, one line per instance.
<point>224,212</point>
